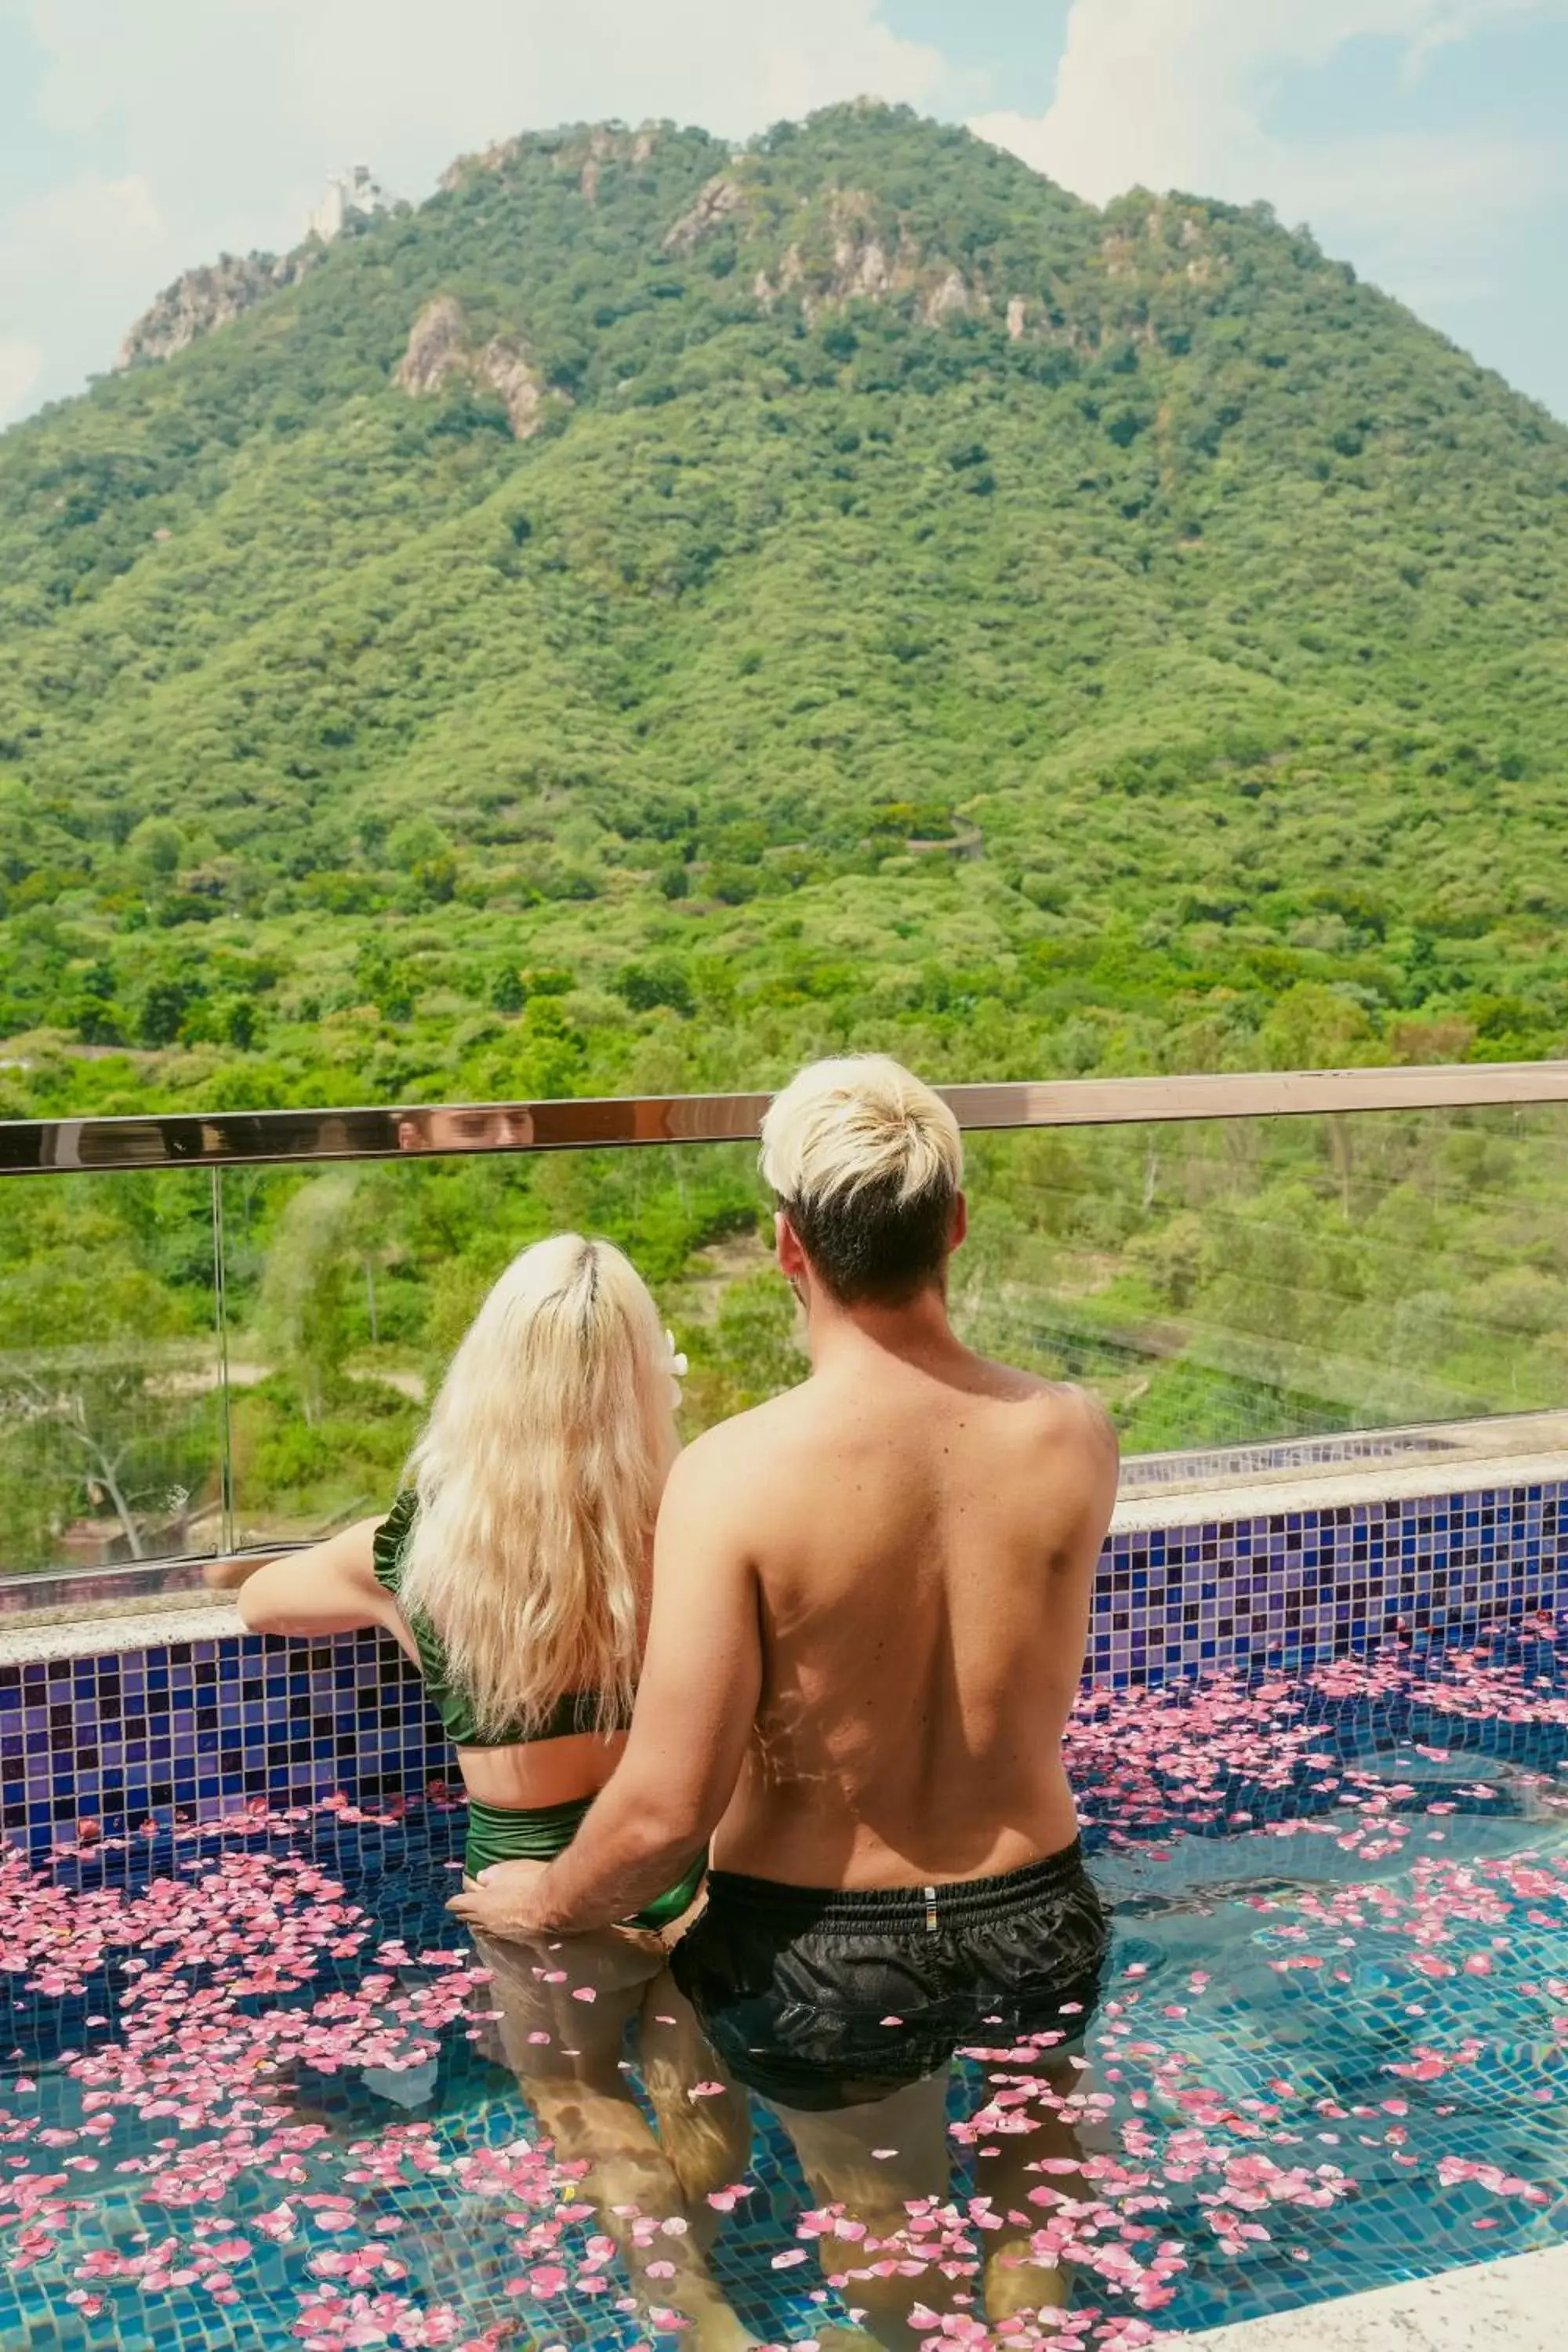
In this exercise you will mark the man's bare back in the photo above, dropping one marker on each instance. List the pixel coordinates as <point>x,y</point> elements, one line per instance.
<point>923,1530</point>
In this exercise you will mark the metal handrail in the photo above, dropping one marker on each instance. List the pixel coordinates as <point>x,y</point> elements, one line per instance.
<point>244,1138</point>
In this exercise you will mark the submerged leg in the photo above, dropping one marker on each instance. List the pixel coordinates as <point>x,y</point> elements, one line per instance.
<point>704,2118</point>
<point>566,2053</point>
<point>1018,2280</point>
<point>877,2161</point>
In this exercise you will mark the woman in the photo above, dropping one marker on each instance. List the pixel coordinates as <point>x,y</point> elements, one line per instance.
<point>514,1571</point>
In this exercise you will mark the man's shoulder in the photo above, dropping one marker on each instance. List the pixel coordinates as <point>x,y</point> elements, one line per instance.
<point>1079,1413</point>
<point>1061,1413</point>
<point>738,1451</point>
<point>1078,1455</point>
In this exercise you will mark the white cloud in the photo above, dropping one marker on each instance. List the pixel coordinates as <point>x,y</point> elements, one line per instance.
<point>81,255</point>
<point>1178,94</point>
<point>21,365</point>
<point>230,115</point>
<point>408,72</point>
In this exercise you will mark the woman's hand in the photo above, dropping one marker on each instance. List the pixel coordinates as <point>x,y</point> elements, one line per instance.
<point>229,1575</point>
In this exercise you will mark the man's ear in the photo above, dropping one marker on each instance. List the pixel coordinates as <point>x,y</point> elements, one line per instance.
<point>958,1231</point>
<point>792,1257</point>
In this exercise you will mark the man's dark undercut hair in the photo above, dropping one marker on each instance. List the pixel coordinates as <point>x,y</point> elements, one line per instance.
<point>872,1248</point>
<point>866,1162</point>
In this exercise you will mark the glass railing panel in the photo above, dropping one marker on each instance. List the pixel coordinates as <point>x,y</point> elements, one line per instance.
<point>1250,1296</point>
<point>347,1287</point>
<point>1284,1289</point>
<point>111,1391</point>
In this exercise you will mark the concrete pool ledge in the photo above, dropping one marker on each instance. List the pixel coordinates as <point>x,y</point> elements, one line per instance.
<point>1519,2301</point>
<point>1140,1509</point>
<point>108,1636</point>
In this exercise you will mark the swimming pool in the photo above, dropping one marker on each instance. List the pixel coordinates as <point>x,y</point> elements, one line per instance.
<point>245,2101</point>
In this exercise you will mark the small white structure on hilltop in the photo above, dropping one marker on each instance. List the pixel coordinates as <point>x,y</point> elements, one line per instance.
<point>356,190</point>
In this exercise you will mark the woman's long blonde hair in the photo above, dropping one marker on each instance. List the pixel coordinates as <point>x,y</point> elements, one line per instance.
<point>539,1476</point>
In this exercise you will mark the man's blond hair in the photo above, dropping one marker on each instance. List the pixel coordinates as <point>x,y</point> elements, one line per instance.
<point>866,1162</point>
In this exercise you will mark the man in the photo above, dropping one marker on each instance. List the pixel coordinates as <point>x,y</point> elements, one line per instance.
<point>869,1614</point>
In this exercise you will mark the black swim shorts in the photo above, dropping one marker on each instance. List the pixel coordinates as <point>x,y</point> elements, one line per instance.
<point>820,1999</point>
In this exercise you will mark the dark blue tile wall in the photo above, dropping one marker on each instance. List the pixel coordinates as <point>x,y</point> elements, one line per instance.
<point>1295,1587</point>
<point>196,1728</point>
<point>205,1727</point>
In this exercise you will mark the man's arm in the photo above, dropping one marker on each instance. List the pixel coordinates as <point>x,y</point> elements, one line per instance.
<point>701,1676</point>
<point>1091,1473</point>
<point>1102,1462</point>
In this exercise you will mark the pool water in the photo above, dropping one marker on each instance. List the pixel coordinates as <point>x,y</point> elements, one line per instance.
<point>245,2102</point>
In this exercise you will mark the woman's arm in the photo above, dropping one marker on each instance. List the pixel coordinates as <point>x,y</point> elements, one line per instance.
<point>229,1575</point>
<point>330,1589</point>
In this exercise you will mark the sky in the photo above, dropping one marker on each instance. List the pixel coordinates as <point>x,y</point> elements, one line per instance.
<point>1421,139</point>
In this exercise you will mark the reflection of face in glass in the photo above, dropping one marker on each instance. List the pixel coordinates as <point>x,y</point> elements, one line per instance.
<point>465,1130</point>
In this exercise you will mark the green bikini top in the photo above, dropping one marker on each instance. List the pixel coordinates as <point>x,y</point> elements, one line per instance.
<point>574,1710</point>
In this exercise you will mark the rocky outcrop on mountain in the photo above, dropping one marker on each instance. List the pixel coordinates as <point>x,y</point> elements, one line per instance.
<point>582,151</point>
<point>205,300</point>
<point>863,266</point>
<point>504,365</point>
<point>722,196</point>
<point>439,350</point>
<point>493,158</point>
<point>842,242</point>
<point>438,347</point>
<point>951,297</point>
<point>1125,253</point>
<point>607,144</point>
<point>845,248</point>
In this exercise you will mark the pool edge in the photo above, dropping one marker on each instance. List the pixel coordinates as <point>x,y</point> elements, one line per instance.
<point>1465,2310</point>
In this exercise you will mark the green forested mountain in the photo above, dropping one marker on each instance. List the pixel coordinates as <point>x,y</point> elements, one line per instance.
<point>654,612</point>
<point>874,492</point>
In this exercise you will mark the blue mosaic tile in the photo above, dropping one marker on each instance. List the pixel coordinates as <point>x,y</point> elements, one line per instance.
<point>200,1727</point>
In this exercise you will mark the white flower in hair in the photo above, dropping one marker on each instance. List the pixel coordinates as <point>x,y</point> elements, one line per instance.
<point>676,1366</point>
